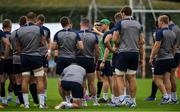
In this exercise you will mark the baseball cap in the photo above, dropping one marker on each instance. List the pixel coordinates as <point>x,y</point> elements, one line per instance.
<point>105,21</point>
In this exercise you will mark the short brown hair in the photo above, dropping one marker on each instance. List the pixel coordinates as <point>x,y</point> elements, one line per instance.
<point>41,17</point>
<point>22,20</point>
<point>6,23</point>
<point>127,11</point>
<point>31,16</point>
<point>164,19</point>
<point>85,21</point>
<point>65,21</point>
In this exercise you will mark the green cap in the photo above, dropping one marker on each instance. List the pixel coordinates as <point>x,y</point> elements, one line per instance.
<point>105,21</point>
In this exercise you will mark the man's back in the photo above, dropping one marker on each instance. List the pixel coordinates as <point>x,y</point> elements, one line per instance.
<point>29,38</point>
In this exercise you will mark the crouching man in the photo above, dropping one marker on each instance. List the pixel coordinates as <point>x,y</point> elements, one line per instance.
<point>71,84</point>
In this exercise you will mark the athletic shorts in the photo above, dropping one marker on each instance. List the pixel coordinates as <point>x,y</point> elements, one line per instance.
<point>177,59</point>
<point>114,61</point>
<point>8,66</point>
<point>163,66</point>
<point>30,63</point>
<point>17,69</point>
<point>1,67</point>
<point>87,63</point>
<point>62,63</point>
<point>45,61</point>
<point>127,61</point>
<point>75,88</point>
<point>107,70</point>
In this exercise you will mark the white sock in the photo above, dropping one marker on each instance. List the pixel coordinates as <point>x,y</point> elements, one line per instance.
<point>17,100</point>
<point>174,95</point>
<point>10,95</point>
<point>169,95</point>
<point>68,99</point>
<point>4,100</point>
<point>41,99</point>
<point>94,98</point>
<point>105,96</point>
<point>165,96</point>
<point>121,97</point>
<point>25,98</point>
<point>125,91</point>
<point>112,97</point>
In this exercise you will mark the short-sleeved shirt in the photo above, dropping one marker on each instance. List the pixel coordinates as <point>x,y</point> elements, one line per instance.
<point>129,30</point>
<point>66,40</point>
<point>16,57</point>
<point>43,50</point>
<point>29,37</point>
<point>89,41</point>
<point>74,73</point>
<point>2,35</point>
<point>175,28</point>
<point>167,38</point>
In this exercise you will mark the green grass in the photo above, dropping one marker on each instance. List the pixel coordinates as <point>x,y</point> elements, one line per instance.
<point>144,88</point>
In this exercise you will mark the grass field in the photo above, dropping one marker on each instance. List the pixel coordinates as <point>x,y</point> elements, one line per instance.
<point>144,88</point>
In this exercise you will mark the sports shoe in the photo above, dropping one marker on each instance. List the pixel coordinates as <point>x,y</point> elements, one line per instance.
<point>165,101</point>
<point>131,104</point>
<point>21,105</point>
<point>96,104</point>
<point>123,102</point>
<point>10,99</point>
<point>174,101</point>
<point>84,103</point>
<point>102,100</point>
<point>42,106</point>
<point>60,106</point>
<point>26,106</point>
<point>35,105</point>
<point>111,104</point>
<point>150,99</point>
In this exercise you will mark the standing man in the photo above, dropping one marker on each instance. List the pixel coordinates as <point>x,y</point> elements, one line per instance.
<point>17,64</point>
<point>29,38</point>
<point>67,42</point>
<point>89,55</point>
<point>45,51</point>
<point>164,47</point>
<point>128,36</point>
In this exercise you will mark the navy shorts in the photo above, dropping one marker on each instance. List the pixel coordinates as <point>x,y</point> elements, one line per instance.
<point>107,70</point>
<point>177,59</point>
<point>17,69</point>
<point>87,63</point>
<point>62,63</point>
<point>1,67</point>
<point>75,88</point>
<point>29,62</point>
<point>127,60</point>
<point>114,61</point>
<point>45,61</point>
<point>163,66</point>
<point>8,66</point>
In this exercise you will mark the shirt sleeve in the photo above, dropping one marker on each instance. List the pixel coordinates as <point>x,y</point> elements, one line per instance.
<point>78,37</point>
<point>41,31</point>
<point>159,35</point>
<point>2,34</point>
<point>55,37</point>
<point>97,41</point>
<point>117,27</point>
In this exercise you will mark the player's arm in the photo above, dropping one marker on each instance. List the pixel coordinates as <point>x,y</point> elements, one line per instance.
<point>107,43</point>
<point>97,32</point>
<point>97,52</point>
<point>141,48</point>
<point>79,42</point>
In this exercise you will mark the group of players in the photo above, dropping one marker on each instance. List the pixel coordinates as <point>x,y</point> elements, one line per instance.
<point>112,52</point>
